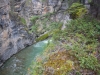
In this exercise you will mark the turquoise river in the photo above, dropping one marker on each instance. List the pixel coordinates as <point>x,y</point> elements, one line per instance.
<point>19,63</point>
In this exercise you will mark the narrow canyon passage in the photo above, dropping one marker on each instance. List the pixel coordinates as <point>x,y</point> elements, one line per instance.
<point>19,63</point>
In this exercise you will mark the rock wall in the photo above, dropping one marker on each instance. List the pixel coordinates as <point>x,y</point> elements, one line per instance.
<point>15,22</point>
<point>45,6</point>
<point>14,34</point>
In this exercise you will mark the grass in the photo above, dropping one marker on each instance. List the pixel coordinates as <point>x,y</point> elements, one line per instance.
<point>23,21</point>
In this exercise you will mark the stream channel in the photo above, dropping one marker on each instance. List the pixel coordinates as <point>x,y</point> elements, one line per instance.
<point>19,63</point>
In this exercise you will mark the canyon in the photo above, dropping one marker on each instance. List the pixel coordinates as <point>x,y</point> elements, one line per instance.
<point>15,23</point>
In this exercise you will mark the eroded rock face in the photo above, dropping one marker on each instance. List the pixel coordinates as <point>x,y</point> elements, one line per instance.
<point>45,6</point>
<point>14,34</point>
<point>15,22</point>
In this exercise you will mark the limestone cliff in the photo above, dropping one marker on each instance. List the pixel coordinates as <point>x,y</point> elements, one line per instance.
<point>15,22</point>
<point>14,34</point>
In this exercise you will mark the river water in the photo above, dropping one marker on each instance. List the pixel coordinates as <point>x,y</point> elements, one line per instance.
<point>19,63</point>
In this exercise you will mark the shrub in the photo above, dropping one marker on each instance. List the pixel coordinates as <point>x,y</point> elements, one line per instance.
<point>84,53</point>
<point>89,62</point>
<point>77,10</point>
<point>83,26</point>
<point>34,28</point>
<point>34,18</point>
<point>23,21</point>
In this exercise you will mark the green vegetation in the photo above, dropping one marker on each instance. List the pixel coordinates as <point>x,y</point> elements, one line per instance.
<point>89,62</point>
<point>85,54</point>
<point>74,48</point>
<point>83,34</point>
<point>84,47</point>
<point>58,65</point>
<point>87,27</point>
<point>15,16</point>
<point>77,10</point>
<point>78,42</point>
<point>42,24</point>
<point>36,68</point>
<point>23,21</point>
<point>42,37</point>
<point>34,18</point>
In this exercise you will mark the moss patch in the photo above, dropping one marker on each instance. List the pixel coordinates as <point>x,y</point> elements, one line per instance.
<point>59,64</point>
<point>42,37</point>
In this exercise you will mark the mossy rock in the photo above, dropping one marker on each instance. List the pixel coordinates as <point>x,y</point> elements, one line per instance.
<point>42,37</point>
<point>50,33</point>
